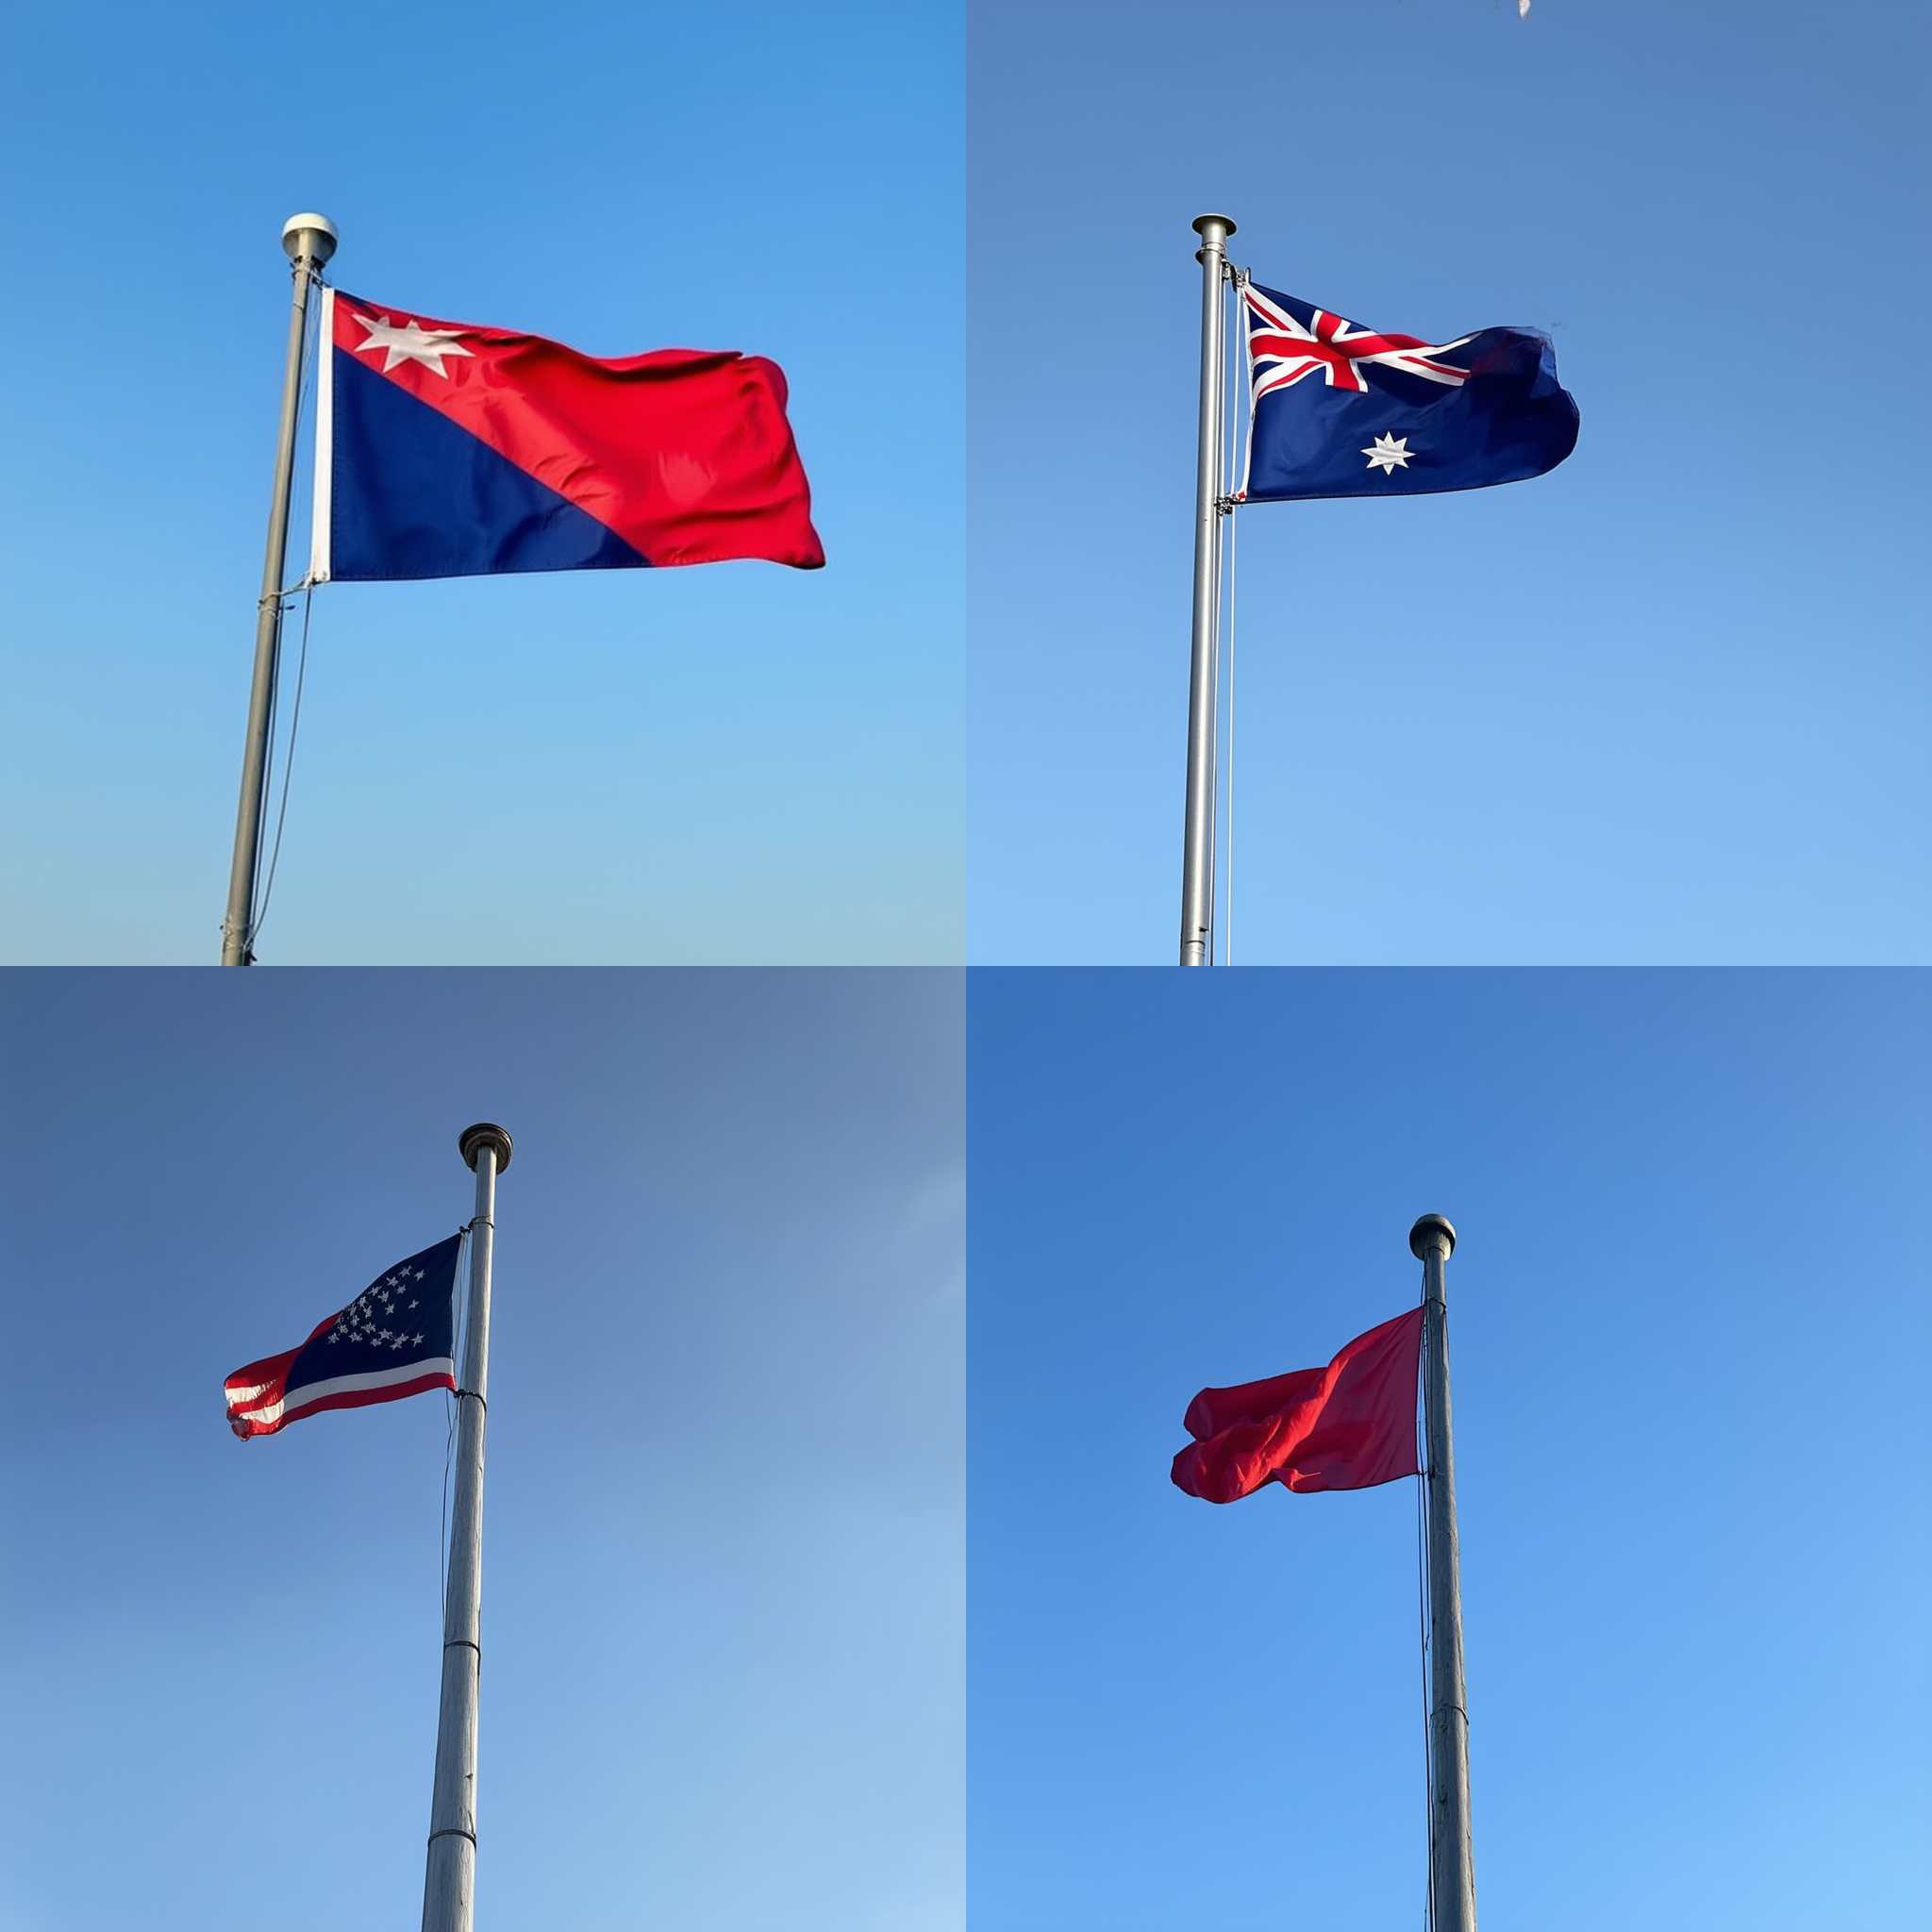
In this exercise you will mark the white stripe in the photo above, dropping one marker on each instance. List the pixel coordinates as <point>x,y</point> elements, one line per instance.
<point>324,439</point>
<point>311,1392</point>
<point>241,1395</point>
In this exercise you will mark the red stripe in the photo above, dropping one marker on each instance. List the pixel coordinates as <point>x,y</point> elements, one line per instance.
<point>684,452</point>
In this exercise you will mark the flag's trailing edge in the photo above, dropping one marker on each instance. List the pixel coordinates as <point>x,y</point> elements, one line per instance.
<point>356,1357</point>
<point>1348,1426</point>
<point>1335,410</point>
<point>445,449</point>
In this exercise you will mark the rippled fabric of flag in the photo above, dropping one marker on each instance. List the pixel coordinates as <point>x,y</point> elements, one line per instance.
<point>398,1338</point>
<point>1337,410</point>
<point>445,449</point>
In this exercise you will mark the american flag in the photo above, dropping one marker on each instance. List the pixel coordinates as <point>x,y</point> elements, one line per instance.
<point>398,1338</point>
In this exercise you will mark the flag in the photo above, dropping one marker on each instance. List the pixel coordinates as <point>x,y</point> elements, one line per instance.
<point>398,1338</point>
<point>1348,1426</point>
<point>446,450</point>
<point>1335,410</point>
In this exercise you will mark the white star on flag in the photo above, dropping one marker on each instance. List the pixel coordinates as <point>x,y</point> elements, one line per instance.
<point>1388,453</point>
<point>410,343</point>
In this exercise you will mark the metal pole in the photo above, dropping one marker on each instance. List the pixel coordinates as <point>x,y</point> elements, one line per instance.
<point>1197,876</point>
<point>1452,1865</point>
<point>308,240</point>
<point>449,1882</point>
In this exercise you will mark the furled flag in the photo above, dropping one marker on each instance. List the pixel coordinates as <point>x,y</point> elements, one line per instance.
<point>446,450</point>
<point>395,1338</point>
<point>1335,410</point>
<point>1348,1426</point>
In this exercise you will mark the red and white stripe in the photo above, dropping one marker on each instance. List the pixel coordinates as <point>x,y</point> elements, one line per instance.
<point>259,1401</point>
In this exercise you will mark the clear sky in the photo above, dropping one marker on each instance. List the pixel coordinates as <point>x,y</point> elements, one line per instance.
<point>1689,1325</point>
<point>722,1678</point>
<point>735,763</point>
<point>1665,705</point>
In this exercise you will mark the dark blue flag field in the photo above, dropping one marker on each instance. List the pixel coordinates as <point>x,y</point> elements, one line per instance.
<point>1342,410</point>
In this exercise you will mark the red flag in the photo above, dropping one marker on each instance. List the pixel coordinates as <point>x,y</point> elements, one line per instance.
<point>1348,1426</point>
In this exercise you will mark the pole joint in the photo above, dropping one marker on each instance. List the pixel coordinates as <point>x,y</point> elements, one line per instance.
<point>454,1831</point>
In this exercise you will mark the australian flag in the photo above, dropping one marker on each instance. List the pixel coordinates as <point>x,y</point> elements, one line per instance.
<point>446,449</point>
<point>398,1338</point>
<point>1337,410</point>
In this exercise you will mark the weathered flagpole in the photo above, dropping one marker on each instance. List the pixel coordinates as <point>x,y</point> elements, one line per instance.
<point>1197,845</point>
<point>308,240</point>
<point>1452,1865</point>
<point>449,1883</point>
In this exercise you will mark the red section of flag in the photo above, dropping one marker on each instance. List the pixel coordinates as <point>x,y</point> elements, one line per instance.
<point>261,1387</point>
<point>1348,1426</point>
<point>684,452</point>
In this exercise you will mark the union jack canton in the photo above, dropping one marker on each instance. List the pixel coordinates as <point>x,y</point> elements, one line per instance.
<point>1337,410</point>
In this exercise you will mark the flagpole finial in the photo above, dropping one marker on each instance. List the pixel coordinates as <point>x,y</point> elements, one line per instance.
<point>1424,1237</point>
<point>320,234</point>
<point>472,1141</point>
<point>1213,231</point>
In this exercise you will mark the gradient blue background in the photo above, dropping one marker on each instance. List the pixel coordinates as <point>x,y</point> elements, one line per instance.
<point>734,763</point>
<point>1687,1325</point>
<point>1666,705</point>
<point>723,1642</point>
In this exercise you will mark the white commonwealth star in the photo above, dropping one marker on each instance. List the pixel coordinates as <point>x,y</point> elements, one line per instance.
<point>1389,453</point>
<point>410,343</point>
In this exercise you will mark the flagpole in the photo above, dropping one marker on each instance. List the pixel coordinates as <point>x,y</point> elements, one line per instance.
<point>308,240</point>
<point>449,1882</point>
<point>1452,1864</point>
<point>1197,859</point>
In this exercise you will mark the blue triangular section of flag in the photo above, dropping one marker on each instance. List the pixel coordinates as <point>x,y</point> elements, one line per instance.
<point>416,495</point>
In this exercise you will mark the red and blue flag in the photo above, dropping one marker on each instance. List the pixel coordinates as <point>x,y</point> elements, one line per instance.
<point>398,1338</point>
<point>445,449</point>
<point>1337,410</point>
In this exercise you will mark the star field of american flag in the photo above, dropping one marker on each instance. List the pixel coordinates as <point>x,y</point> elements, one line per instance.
<point>1337,410</point>
<point>395,1338</point>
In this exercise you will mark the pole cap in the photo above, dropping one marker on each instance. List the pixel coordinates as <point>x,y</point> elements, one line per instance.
<point>472,1141</point>
<point>1422,1236</point>
<point>320,230</point>
<point>1203,223</point>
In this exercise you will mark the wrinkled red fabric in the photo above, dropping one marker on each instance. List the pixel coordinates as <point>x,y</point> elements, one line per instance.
<point>1348,1426</point>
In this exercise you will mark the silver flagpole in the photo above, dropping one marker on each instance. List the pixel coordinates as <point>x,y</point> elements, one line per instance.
<point>449,1883</point>
<point>308,240</point>
<point>1197,867</point>
<point>1452,1865</point>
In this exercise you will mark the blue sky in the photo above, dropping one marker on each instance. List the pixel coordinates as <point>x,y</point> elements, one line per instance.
<point>1665,705</point>
<point>1688,1331</point>
<point>736,763</point>
<point>723,1548</point>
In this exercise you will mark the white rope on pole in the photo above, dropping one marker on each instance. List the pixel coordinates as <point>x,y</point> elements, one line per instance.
<point>1238,383</point>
